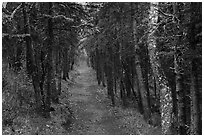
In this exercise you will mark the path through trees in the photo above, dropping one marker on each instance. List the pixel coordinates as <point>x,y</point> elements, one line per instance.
<point>93,113</point>
<point>145,56</point>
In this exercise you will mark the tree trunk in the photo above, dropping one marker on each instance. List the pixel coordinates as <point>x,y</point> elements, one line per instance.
<point>31,67</point>
<point>127,75</point>
<point>58,70</point>
<point>181,103</point>
<point>140,103</point>
<point>65,64</point>
<point>114,74</point>
<point>71,58</point>
<point>121,77</point>
<point>180,93</point>
<point>54,92</point>
<point>18,63</point>
<point>42,75</point>
<point>98,66</point>
<point>110,76</point>
<point>49,60</point>
<point>195,120</point>
<point>196,112</point>
<point>165,92</point>
<point>102,70</point>
<point>143,91</point>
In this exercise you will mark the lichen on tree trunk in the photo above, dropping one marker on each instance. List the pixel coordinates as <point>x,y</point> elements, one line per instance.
<point>162,83</point>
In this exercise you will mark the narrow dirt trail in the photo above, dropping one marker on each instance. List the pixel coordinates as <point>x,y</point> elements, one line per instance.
<point>91,115</point>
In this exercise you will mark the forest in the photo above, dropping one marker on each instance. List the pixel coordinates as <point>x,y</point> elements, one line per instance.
<point>67,66</point>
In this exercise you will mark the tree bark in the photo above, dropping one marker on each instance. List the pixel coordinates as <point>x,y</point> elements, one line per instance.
<point>165,91</point>
<point>196,112</point>
<point>195,120</point>
<point>98,66</point>
<point>18,62</point>
<point>31,67</point>
<point>143,90</point>
<point>180,92</point>
<point>65,64</point>
<point>102,70</point>
<point>49,59</point>
<point>58,70</point>
<point>110,76</point>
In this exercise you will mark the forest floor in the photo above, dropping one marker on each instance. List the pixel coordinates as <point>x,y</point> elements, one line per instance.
<point>93,113</point>
<point>84,109</point>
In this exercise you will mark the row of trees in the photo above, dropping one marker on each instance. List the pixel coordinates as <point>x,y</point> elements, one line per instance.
<point>151,53</point>
<point>44,38</point>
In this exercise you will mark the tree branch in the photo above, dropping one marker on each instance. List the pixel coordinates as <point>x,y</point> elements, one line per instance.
<point>58,17</point>
<point>13,13</point>
<point>15,35</point>
<point>10,17</point>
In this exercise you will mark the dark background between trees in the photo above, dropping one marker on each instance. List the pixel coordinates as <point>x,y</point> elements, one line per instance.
<point>147,54</point>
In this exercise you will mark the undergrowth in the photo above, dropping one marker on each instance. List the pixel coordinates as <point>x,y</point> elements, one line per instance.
<point>18,110</point>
